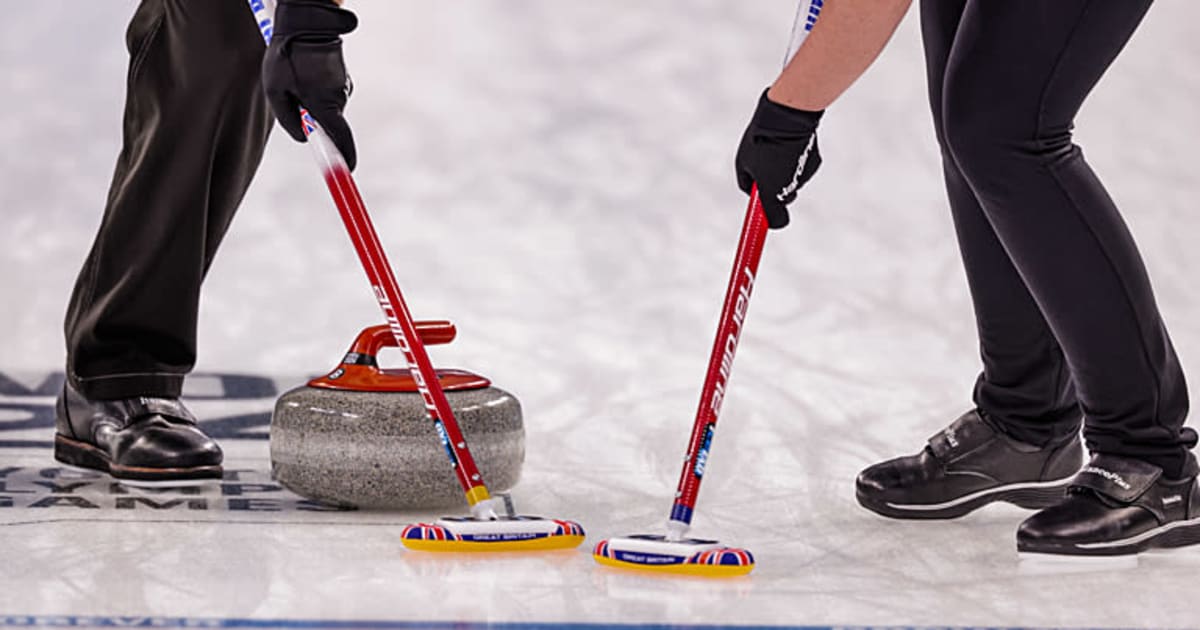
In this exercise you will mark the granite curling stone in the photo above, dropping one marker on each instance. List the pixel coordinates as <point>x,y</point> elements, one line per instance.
<point>360,436</point>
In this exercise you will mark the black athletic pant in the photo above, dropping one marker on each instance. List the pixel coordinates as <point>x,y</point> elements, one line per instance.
<point>196,124</point>
<point>1068,326</point>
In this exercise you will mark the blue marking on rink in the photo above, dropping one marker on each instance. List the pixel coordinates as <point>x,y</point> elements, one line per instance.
<point>100,621</point>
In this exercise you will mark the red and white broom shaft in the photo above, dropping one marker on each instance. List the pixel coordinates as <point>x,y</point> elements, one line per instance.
<point>387,292</point>
<point>729,327</point>
<point>720,364</point>
<point>395,310</point>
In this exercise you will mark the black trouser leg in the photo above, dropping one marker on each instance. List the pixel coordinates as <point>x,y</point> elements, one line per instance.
<point>1025,387</point>
<point>1016,75</point>
<point>195,127</point>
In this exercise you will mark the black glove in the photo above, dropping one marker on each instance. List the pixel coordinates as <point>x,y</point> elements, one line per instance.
<point>779,152</point>
<point>304,67</point>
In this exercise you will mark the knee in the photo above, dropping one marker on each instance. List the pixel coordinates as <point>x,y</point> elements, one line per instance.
<point>971,135</point>
<point>993,144</point>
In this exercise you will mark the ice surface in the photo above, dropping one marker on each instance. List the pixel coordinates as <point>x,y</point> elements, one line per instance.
<point>556,178</point>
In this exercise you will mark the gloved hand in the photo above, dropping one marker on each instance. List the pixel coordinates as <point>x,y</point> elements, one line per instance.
<point>779,152</point>
<point>303,66</point>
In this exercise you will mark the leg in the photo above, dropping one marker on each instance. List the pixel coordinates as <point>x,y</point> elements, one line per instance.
<point>1025,388</point>
<point>1018,72</point>
<point>1022,444</point>
<point>1009,107</point>
<point>196,124</point>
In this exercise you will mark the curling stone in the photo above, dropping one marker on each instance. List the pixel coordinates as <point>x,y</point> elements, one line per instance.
<point>360,436</point>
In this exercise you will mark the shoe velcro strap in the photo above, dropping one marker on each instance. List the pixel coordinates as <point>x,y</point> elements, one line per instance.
<point>961,437</point>
<point>166,407</point>
<point>1118,478</point>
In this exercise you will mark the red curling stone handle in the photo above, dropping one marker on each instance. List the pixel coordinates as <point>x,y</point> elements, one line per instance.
<point>360,370</point>
<point>375,338</point>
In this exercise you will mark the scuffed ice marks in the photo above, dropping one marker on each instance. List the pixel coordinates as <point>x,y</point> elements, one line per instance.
<point>557,178</point>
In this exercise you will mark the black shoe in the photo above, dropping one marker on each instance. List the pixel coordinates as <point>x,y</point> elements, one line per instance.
<point>965,467</point>
<point>140,441</point>
<point>1116,506</point>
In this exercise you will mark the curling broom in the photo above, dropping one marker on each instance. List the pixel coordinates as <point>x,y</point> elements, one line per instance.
<point>674,552</point>
<point>484,529</point>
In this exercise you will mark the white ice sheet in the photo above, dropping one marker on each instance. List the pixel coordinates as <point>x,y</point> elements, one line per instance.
<point>556,177</point>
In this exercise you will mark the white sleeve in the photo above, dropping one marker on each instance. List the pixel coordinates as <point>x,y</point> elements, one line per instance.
<point>806,18</point>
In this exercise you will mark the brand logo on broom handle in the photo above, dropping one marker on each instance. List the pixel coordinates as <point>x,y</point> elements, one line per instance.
<point>445,438</point>
<point>702,455</point>
<point>402,341</point>
<point>731,341</point>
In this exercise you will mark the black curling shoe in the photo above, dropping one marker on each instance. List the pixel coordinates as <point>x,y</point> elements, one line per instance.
<point>139,441</point>
<point>967,466</point>
<point>1116,506</point>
